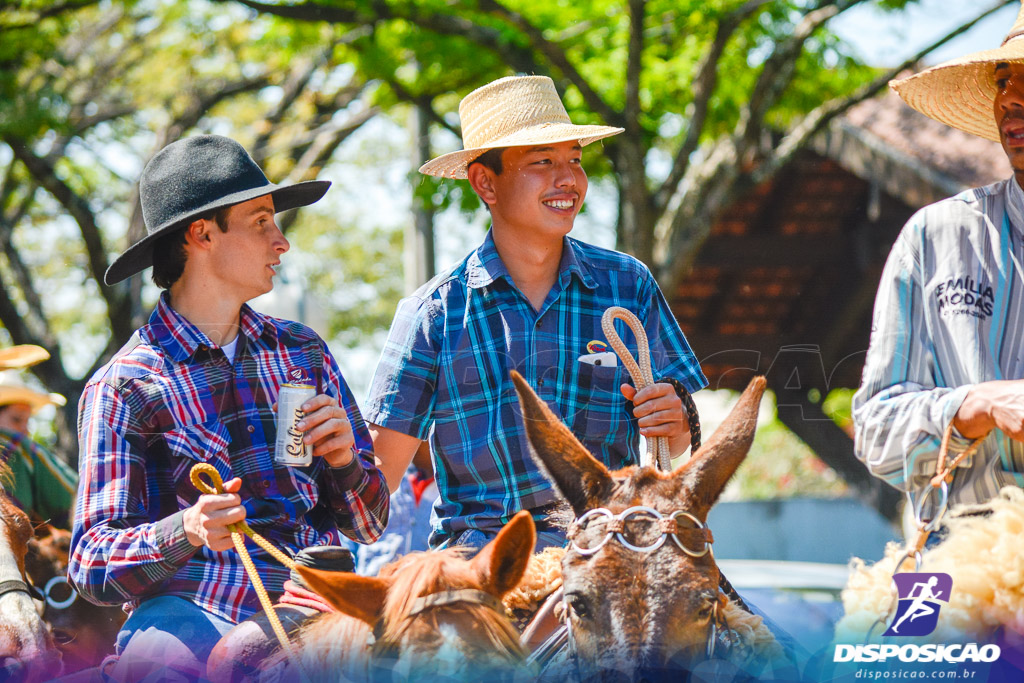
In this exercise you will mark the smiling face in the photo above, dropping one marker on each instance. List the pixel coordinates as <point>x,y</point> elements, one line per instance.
<point>1009,113</point>
<point>244,258</point>
<point>540,190</point>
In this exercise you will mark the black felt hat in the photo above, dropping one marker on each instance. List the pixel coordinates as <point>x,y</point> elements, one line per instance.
<point>194,176</point>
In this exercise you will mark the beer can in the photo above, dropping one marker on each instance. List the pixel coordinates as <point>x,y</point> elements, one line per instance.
<point>289,449</point>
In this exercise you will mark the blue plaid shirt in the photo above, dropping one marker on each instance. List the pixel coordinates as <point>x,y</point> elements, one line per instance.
<point>444,375</point>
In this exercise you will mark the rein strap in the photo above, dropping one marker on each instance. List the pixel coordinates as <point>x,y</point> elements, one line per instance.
<point>17,586</point>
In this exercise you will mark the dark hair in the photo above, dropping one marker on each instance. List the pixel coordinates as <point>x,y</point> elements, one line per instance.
<point>169,250</point>
<point>491,159</point>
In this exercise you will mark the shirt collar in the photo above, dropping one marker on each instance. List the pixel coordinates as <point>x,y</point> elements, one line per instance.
<point>1015,204</point>
<point>485,265</point>
<point>172,332</point>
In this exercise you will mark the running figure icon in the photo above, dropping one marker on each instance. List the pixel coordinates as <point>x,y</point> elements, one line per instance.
<point>918,607</point>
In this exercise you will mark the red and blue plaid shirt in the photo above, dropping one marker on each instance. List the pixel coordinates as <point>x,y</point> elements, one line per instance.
<point>170,399</point>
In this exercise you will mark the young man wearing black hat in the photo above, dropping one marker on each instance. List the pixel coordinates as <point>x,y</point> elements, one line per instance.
<point>198,383</point>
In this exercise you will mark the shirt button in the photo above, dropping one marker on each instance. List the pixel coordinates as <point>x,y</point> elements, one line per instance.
<point>251,429</point>
<point>538,324</point>
<point>266,483</point>
<point>540,382</point>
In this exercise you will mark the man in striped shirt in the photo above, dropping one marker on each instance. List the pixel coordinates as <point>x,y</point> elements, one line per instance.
<point>198,384</point>
<point>530,298</point>
<point>947,340</point>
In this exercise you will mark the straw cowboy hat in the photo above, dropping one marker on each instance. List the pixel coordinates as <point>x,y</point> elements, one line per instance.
<point>961,92</point>
<point>12,388</point>
<point>512,112</point>
<point>194,176</point>
<point>22,356</point>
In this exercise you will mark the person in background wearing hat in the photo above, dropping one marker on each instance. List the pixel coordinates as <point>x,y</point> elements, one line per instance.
<point>41,484</point>
<point>530,298</point>
<point>198,384</point>
<point>948,328</point>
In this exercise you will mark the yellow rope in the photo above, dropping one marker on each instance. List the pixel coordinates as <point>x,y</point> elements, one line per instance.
<point>216,485</point>
<point>642,375</point>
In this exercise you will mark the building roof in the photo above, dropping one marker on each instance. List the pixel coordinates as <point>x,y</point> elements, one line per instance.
<point>786,280</point>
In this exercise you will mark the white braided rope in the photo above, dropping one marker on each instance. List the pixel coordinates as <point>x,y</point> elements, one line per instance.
<point>658,453</point>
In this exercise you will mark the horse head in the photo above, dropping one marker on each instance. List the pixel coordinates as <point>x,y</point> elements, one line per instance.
<point>27,651</point>
<point>435,608</point>
<point>640,583</point>
<point>84,632</point>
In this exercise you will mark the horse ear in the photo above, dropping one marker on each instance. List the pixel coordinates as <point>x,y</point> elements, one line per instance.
<point>502,562</point>
<point>707,473</point>
<point>361,597</point>
<point>577,475</point>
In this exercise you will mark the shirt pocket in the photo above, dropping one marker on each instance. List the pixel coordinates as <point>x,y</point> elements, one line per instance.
<point>602,407</point>
<point>188,445</point>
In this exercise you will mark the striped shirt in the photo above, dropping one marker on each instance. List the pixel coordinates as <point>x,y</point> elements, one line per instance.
<point>949,314</point>
<point>170,399</point>
<point>43,485</point>
<point>444,375</point>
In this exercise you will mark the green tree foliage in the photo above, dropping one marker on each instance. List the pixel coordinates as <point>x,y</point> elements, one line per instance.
<point>714,95</point>
<point>89,94</point>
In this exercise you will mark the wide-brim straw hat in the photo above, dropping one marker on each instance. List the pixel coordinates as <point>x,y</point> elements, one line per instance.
<point>14,390</point>
<point>961,92</point>
<point>195,176</point>
<point>518,111</point>
<point>22,356</point>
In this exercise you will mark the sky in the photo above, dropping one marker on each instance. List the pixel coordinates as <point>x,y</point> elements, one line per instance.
<point>884,39</point>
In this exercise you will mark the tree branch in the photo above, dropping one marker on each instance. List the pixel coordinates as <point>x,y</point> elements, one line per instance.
<point>79,209</point>
<point>779,68</point>
<point>426,103</point>
<point>634,66</point>
<point>520,59</point>
<point>811,124</point>
<point>703,88</point>
<point>557,57</point>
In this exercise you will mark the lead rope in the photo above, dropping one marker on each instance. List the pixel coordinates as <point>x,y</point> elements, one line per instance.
<point>643,375</point>
<point>216,485</point>
<point>939,482</point>
<point>657,448</point>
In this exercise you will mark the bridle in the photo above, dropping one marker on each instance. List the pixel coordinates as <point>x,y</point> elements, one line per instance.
<point>667,526</point>
<point>694,538</point>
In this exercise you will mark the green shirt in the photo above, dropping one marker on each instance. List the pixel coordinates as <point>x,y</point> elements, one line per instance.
<point>42,484</point>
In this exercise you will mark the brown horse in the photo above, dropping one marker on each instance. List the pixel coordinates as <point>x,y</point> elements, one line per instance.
<point>641,587</point>
<point>427,614</point>
<point>84,632</point>
<point>26,647</point>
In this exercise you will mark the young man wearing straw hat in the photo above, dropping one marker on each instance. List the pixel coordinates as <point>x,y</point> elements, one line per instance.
<point>949,317</point>
<point>41,483</point>
<point>198,384</point>
<point>530,298</point>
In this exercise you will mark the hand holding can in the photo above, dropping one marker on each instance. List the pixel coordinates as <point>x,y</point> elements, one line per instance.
<point>323,426</point>
<point>290,448</point>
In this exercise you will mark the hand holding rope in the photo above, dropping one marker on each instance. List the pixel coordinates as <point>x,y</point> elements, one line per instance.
<point>939,483</point>
<point>214,486</point>
<point>643,376</point>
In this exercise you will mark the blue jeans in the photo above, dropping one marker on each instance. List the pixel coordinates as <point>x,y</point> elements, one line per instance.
<point>166,638</point>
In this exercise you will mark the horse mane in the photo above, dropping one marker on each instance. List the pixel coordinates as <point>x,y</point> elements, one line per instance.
<point>423,573</point>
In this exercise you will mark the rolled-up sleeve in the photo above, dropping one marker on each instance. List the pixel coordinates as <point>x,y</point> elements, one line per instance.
<point>403,392</point>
